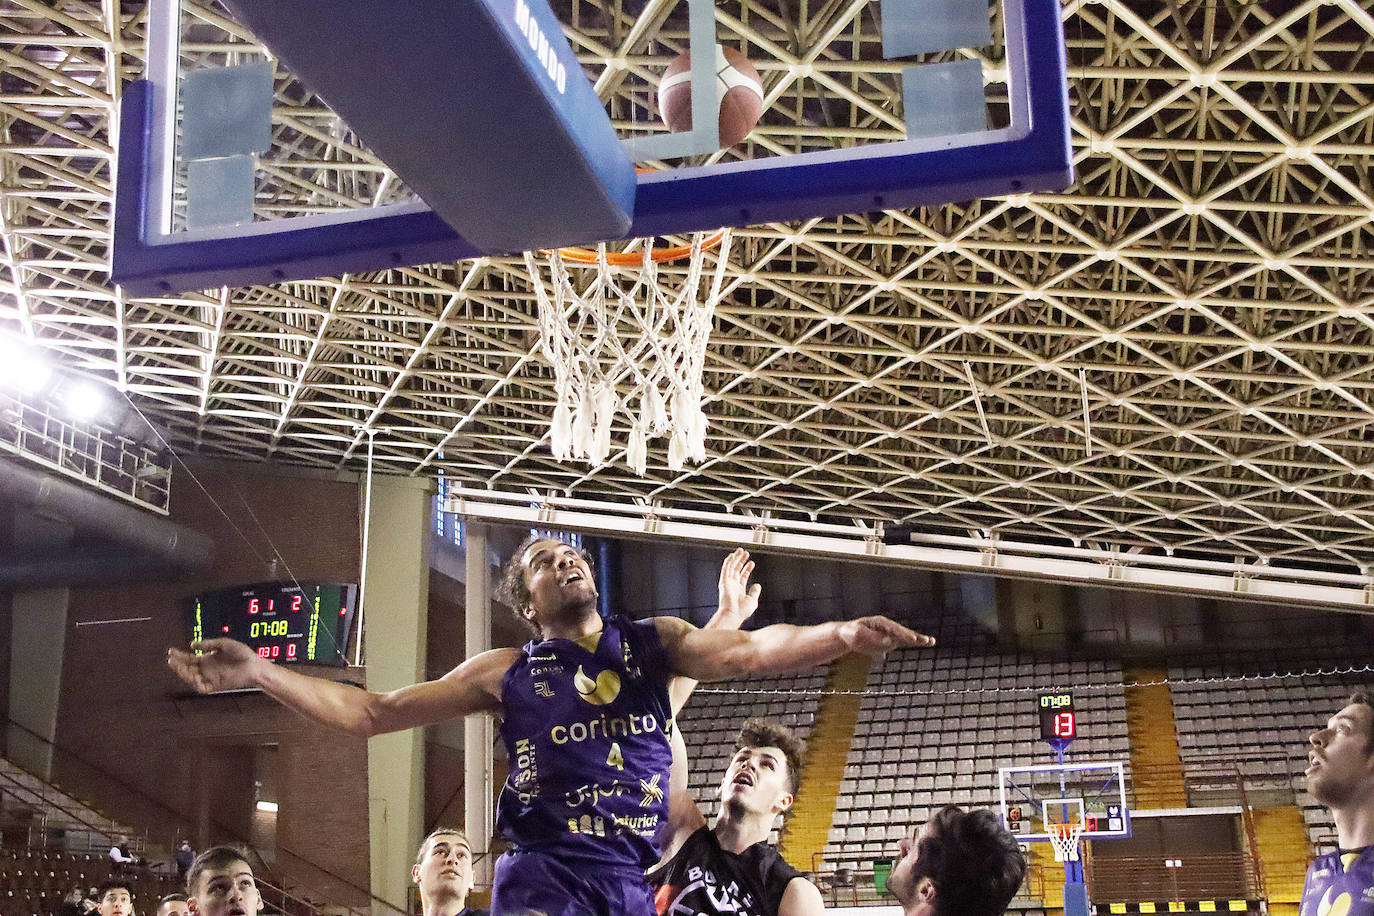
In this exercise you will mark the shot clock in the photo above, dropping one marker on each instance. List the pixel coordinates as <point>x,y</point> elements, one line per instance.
<point>1058,725</point>
<point>285,622</point>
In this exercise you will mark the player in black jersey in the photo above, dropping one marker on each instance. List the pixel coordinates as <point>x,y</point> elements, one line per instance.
<point>443,874</point>
<point>582,811</point>
<point>960,863</point>
<point>1340,775</point>
<point>729,868</point>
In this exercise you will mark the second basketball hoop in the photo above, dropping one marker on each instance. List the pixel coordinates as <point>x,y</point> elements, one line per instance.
<point>627,338</point>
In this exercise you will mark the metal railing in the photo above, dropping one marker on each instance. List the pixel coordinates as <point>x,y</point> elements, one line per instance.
<point>48,820</point>
<point>87,452</point>
<point>1196,877</point>
<point>851,879</point>
<point>178,824</point>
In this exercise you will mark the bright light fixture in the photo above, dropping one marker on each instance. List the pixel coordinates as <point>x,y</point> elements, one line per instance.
<point>269,807</point>
<point>83,400</point>
<point>22,367</point>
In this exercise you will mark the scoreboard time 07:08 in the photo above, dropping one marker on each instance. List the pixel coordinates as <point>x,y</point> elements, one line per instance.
<point>283,622</point>
<point>1057,720</point>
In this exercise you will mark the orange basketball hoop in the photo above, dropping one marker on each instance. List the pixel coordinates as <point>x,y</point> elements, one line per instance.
<point>628,343</point>
<point>631,258</point>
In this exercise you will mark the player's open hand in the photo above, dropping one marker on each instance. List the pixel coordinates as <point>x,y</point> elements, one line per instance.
<point>876,635</point>
<point>737,597</point>
<point>225,664</point>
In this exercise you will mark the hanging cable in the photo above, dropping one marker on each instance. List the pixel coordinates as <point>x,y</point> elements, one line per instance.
<point>367,529</point>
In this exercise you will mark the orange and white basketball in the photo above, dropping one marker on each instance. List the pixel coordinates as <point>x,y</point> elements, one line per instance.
<point>741,94</point>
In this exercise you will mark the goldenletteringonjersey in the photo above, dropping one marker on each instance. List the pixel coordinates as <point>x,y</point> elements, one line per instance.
<point>1340,884</point>
<point>703,879</point>
<point>586,734</point>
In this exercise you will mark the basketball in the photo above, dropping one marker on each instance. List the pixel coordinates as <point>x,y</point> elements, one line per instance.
<point>741,95</point>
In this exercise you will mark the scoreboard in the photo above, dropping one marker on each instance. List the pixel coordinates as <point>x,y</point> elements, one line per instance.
<point>1058,725</point>
<point>281,621</point>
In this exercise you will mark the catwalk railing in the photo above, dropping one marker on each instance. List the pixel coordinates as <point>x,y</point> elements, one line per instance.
<point>86,451</point>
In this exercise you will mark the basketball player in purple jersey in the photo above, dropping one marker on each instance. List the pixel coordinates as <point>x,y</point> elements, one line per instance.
<point>1341,777</point>
<point>585,718</point>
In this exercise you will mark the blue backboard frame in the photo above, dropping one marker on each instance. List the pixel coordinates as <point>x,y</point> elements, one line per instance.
<point>1033,153</point>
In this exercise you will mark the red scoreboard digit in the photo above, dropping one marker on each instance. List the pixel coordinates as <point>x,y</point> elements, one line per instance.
<point>1057,720</point>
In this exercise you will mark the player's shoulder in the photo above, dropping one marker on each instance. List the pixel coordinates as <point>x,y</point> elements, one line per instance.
<point>669,627</point>
<point>492,666</point>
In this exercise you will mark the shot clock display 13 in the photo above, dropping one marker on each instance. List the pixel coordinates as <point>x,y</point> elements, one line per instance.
<point>283,621</point>
<point>1057,721</point>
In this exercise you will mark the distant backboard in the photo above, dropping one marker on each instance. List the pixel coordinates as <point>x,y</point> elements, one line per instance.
<point>287,139</point>
<point>1090,794</point>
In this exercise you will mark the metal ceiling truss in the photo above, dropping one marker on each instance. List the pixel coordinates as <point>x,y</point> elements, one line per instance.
<point>1170,359</point>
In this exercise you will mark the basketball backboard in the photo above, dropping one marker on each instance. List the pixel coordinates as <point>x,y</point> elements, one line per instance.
<point>287,139</point>
<point>1092,795</point>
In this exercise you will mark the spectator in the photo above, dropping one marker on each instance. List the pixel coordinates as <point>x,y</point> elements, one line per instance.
<point>76,903</point>
<point>120,859</point>
<point>185,855</point>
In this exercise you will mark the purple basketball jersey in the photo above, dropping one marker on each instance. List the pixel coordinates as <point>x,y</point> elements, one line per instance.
<point>587,738</point>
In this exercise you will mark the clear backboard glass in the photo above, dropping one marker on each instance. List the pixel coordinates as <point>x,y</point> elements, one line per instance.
<point>223,143</point>
<point>1092,795</point>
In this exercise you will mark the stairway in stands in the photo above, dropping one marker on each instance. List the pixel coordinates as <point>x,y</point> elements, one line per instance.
<point>24,798</point>
<point>823,767</point>
<point>1284,851</point>
<point>1156,769</point>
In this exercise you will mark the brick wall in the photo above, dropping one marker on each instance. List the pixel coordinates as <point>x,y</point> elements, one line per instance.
<point>173,762</point>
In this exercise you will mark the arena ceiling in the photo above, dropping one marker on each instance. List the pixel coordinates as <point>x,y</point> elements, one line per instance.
<point>1171,356</point>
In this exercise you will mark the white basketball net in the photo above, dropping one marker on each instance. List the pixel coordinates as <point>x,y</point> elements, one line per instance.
<point>1064,838</point>
<point>627,344</point>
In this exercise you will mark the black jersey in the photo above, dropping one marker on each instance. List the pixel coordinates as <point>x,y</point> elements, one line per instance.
<point>702,879</point>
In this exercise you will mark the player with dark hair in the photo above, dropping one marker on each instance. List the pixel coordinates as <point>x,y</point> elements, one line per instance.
<point>443,874</point>
<point>173,905</point>
<point>960,863</point>
<point>1340,775</point>
<point>220,882</point>
<point>585,719</point>
<point>115,897</point>
<point>730,868</point>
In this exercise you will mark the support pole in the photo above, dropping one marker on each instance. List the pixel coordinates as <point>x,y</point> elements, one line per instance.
<point>477,730</point>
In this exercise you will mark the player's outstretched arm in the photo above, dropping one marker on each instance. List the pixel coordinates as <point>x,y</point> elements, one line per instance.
<point>736,603</point>
<point>801,899</point>
<point>715,655</point>
<point>225,664</point>
<point>684,817</point>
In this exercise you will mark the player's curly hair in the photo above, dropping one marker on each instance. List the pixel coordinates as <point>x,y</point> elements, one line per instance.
<point>973,861</point>
<point>513,591</point>
<point>767,733</point>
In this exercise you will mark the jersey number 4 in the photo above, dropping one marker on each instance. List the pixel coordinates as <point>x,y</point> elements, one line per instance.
<point>614,758</point>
